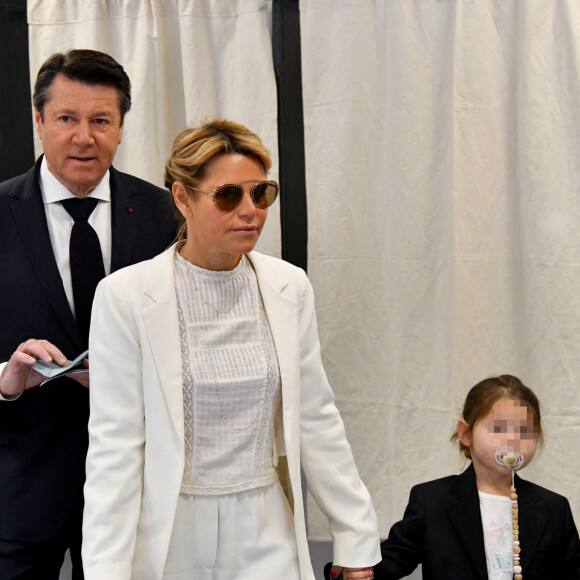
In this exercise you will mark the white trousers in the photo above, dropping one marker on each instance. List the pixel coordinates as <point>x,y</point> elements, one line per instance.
<point>238,536</point>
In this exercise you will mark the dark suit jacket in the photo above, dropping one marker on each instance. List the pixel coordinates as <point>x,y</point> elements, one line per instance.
<point>442,530</point>
<point>43,434</point>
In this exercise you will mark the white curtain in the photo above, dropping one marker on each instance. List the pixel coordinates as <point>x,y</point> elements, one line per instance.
<point>187,60</point>
<point>442,151</point>
<point>443,175</point>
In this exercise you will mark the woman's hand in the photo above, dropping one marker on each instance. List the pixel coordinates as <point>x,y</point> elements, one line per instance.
<point>352,573</point>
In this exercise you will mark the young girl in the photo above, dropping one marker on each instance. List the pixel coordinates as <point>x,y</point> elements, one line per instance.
<point>475,525</point>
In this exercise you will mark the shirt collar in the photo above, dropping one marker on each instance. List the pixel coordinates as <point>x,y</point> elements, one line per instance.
<point>53,190</point>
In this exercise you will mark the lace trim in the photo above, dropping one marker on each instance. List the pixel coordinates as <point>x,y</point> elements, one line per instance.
<point>263,456</point>
<point>187,395</point>
<point>230,488</point>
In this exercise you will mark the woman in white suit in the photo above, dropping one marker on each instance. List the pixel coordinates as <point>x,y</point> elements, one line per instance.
<point>208,395</point>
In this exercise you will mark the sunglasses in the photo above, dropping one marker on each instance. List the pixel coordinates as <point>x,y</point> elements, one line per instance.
<point>229,196</point>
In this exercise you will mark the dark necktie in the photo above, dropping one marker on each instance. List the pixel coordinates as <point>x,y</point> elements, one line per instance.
<point>86,260</point>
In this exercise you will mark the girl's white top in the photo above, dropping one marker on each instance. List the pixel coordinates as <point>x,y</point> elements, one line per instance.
<point>496,517</point>
<point>231,380</point>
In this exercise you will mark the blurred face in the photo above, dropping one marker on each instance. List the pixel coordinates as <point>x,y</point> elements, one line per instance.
<point>215,240</point>
<point>80,132</point>
<point>507,428</point>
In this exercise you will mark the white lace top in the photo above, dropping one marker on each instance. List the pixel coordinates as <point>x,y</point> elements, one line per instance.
<point>231,380</point>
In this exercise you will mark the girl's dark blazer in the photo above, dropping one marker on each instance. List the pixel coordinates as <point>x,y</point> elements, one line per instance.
<point>442,530</point>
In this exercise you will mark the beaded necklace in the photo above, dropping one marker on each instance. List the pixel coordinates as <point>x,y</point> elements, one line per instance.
<point>513,461</point>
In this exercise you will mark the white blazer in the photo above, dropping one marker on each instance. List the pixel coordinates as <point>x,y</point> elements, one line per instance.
<point>135,460</point>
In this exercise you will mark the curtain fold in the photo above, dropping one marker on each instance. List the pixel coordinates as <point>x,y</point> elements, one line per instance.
<point>442,150</point>
<point>187,60</point>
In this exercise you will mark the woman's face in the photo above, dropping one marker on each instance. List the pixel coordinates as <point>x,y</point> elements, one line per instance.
<point>507,428</point>
<point>215,240</point>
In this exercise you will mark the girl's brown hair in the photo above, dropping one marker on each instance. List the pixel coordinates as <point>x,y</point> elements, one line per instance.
<point>483,396</point>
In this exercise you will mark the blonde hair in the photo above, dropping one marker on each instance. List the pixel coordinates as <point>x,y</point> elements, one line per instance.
<point>195,147</point>
<point>483,396</point>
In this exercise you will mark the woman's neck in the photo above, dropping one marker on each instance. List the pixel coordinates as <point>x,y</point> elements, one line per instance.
<point>217,262</point>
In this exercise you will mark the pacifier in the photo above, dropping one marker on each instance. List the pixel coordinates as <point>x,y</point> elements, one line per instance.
<point>509,459</point>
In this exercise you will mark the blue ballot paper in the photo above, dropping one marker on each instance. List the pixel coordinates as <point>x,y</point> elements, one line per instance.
<point>53,370</point>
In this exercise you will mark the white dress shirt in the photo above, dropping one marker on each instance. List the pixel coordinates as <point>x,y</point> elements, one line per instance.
<point>60,223</point>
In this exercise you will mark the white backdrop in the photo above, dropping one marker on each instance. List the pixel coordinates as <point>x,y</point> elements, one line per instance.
<point>443,175</point>
<point>187,60</point>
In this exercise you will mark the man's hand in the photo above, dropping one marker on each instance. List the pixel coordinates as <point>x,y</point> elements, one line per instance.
<point>18,374</point>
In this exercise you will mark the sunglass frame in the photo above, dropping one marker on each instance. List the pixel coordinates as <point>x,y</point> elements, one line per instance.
<point>220,188</point>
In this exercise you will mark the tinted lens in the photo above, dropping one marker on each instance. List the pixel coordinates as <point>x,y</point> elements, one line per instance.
<point>228,197</point>
<point>265,193</point>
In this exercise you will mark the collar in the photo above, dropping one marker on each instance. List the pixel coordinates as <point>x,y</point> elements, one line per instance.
<point>53,190</point>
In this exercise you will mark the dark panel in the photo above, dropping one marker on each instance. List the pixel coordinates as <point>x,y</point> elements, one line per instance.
<point>288,69</point>
<point>16,144</point>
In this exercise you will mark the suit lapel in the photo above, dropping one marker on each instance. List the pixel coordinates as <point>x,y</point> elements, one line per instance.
<point>282,317</point>
<point>465,516</point>
<point>532,519</point>
<point>124,219</point>
<point>161,321</point>
<point>30,220</point>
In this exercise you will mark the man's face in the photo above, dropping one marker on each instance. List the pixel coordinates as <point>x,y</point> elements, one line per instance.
<point>80,132</point>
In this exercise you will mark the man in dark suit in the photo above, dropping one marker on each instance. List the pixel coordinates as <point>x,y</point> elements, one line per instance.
<point>80,100</point>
